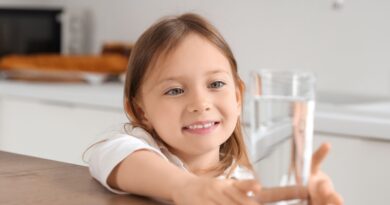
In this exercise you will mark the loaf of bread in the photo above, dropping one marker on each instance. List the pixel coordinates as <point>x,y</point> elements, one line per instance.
<point>113,64</point>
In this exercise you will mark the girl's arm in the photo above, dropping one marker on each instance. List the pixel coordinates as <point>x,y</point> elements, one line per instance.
<point>146,173</point>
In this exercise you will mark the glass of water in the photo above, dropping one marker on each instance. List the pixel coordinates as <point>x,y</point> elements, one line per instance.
<point>280,109</point>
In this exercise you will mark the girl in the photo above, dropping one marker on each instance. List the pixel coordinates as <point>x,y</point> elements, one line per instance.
<point>184,143</point>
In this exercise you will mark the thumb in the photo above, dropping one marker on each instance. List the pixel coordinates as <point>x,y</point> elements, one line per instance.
<point>319,156</point>
<point>276,194</point>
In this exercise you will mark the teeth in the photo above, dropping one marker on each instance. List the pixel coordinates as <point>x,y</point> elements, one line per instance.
<point>201,126</point>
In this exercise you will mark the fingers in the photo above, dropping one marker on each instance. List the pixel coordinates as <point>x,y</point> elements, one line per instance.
<point>239,197</point>
<point>319,156</point>
<point>324,189</point>
<point>327,193</point>
<point>335,199</point>
<point>269,195</point>
<point>238,192</point>
<point>222,198</point>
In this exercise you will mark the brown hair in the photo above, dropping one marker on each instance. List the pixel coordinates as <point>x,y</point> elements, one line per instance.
<point>159,40</point>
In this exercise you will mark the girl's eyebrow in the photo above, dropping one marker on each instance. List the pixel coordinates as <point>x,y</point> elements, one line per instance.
<point>175,78</point>
<point>217,71</point>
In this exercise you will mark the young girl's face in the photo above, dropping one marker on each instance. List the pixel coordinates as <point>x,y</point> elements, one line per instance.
<point>190,99</point>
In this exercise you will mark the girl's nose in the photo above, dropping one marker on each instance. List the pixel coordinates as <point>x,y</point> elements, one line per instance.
<point>199,107</point>
<point>198,104</point>
<point>198,100</point>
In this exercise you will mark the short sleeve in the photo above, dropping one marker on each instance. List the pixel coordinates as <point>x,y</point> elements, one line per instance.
<point>107,154</point>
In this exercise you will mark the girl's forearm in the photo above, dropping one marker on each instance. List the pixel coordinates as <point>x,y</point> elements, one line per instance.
<point>145,173</point>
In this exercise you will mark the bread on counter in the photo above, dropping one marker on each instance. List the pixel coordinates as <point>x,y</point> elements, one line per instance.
<point>107,63</point>
<point>63,68</point>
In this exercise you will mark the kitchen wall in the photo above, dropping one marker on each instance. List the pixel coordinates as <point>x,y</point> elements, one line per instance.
<point>347,48</point>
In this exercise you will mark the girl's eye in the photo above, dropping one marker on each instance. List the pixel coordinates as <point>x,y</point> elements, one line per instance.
<point>217,84</point>
<point>174,91</point>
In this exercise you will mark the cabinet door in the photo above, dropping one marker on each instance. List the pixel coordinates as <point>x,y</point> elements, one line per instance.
<point>359,168</point>
<point>54,131</point>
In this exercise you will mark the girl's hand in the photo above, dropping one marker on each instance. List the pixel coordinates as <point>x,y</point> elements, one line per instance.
<point>211,191</point>
<point>321,190</point>
<point>199,190</point>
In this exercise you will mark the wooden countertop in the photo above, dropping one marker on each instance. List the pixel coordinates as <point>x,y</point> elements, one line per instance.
<point>30,180</point>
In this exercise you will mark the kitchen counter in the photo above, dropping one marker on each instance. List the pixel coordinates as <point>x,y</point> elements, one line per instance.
<point>358,116</point>
<point>349,115</point>
<point>106,95</point>
<point>60,121</point>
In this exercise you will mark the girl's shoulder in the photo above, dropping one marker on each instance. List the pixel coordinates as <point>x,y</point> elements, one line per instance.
<point>141,134</point>
<point>127,132</point>
<point>125,139</point>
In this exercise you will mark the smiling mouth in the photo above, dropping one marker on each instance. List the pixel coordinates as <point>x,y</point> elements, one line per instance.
<point>201,125</point>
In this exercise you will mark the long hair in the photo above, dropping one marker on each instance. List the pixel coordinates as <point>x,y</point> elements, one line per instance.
<point>159,40</point>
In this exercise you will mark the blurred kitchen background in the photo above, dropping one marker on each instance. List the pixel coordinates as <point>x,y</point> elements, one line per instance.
<point>55,112</point>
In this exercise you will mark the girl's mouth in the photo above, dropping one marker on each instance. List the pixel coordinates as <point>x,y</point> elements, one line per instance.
<point>204,127</point>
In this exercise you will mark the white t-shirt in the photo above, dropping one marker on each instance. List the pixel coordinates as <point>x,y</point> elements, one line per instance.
<point>106,154</point>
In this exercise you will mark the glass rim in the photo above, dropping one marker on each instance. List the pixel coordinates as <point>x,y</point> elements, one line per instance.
<point>288,72</point>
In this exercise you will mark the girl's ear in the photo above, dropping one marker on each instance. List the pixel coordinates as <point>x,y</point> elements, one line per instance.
<point>239,94</point>
<point>139,107</point>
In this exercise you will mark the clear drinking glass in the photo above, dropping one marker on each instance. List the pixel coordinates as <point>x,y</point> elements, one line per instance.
<point>280,110</point>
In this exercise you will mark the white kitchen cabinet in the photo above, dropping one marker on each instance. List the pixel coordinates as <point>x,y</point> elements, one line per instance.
<point>53,129</point>
<point>359,167</point>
